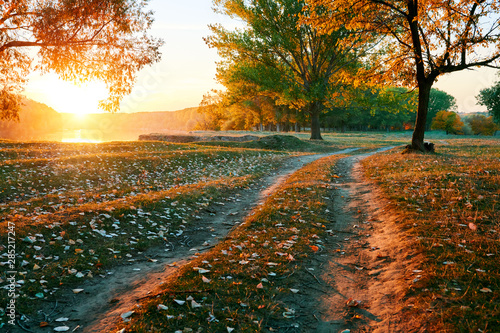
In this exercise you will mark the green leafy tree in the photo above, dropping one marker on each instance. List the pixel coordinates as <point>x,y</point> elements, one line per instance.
<point>439,101</point>
<point>79,40</point>
<point>291,61</point>
<point>481,125</point>
<point>490,97</point>
<point>426,39</point>
<point>448,121</point>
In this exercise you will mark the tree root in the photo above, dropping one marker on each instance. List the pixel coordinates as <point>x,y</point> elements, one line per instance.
<point>428,147</point>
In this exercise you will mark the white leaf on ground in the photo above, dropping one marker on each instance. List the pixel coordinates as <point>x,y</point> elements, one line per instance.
<point>61,329</point>
<point>204,279</point>
<point>76,291</point>
<point>180,302</point>
<point>194,304</point>
<point>127,314</point>
<point>162,307</point>
<point>62,319</point>
<point>294,290</point>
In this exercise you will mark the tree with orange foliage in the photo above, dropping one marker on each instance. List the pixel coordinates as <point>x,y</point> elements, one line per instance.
<point>482,125</point>
<point>426,39</point>
<point>448,121</point>
<point>79,40</point>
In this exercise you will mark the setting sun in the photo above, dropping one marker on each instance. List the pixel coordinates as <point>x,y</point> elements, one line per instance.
<point>66,97</point>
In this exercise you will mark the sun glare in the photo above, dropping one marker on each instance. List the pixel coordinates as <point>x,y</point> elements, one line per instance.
<point>66,97</point>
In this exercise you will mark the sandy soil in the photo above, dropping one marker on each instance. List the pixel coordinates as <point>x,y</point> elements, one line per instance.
<point>361,276</point>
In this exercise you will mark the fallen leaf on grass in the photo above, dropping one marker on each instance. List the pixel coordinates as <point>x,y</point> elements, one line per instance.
<point>472,226</point>
<point>289,313</point>
<point>204,279</point>
<point>195,304</point>
<point>294,290</point>
<point>162,307</point>
<point>485,290</point>
<point>260,286</point>
<point>61,329</point>
<point>180,302</point>
<point>126,316</point>
<point>77,291</point>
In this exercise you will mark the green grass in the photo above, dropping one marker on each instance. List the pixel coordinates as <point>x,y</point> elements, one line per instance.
<point>79,209</point>
<point>243,283</point>
<point>450,203</point>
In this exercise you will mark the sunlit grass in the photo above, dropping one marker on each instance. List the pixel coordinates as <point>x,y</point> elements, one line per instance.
<point>79,209</point>
<point>450,203</point>
<point>242,283</point>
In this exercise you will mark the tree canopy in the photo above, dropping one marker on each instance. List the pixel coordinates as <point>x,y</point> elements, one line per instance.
<point>448,121</point>
<point>426,38</point>
<point>290,62</point>
<point>80,40</point>
<point>482,125</point>
<point>490,97</point>
<point>439,101</point>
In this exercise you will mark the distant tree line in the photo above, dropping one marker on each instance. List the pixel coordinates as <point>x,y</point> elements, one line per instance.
<point>365,109</point>
<point>471,124</point>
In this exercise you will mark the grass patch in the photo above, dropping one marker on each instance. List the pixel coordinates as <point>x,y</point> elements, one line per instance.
<point>278,143</point>
<point>245,281</point>
<point>79,209</point>
<point>450,204</point>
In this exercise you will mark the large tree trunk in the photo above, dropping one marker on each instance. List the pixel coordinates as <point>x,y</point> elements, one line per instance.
<point>315,124</point>
<point>424,90</point>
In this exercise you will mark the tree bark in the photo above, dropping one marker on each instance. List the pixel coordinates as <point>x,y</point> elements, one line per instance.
<point>315,123</point>
<point>424,90</point>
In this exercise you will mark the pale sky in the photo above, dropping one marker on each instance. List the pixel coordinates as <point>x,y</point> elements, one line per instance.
<point>187,69</point>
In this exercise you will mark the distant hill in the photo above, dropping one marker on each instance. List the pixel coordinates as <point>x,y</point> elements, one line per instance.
<point>36,121</point>
<point>40,122</point>
<point>128,126</point>
<point>181,120</point>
